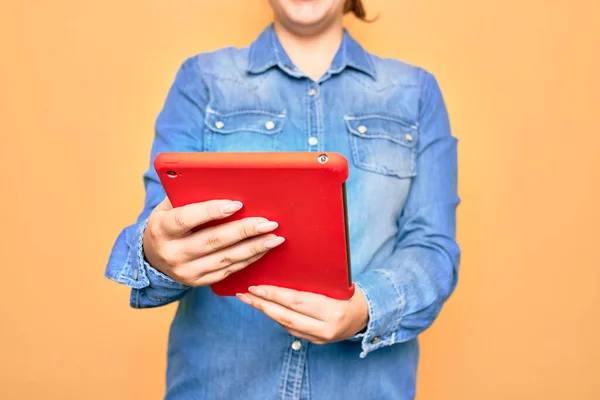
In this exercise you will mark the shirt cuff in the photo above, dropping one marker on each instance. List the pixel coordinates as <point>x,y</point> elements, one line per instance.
<point>385,305</point>
<point>136,272</point>
<point>154,277</point>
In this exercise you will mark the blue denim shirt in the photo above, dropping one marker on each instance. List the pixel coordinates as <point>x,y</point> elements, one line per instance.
<point>388,118</point>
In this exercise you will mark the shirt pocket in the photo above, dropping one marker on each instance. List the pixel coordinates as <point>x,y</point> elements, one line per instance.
<point>247,130</point>
<point>382,144</point>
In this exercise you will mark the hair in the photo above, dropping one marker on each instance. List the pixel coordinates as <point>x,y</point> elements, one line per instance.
<point>357,8</point>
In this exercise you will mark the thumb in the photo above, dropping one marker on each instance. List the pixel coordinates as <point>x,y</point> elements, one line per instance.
<point>164,205</point>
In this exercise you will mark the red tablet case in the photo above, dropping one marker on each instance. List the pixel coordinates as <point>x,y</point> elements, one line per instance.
<point>303,192</point>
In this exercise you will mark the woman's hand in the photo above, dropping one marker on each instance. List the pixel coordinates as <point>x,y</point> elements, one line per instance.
<point>316,318</point>
<point>208,255</point>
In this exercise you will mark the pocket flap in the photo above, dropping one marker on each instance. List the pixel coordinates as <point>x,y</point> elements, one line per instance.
<point>267,123</point>
<point>383,127</point>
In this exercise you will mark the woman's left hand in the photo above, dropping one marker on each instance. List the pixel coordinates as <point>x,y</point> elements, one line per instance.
<point>316,318</point>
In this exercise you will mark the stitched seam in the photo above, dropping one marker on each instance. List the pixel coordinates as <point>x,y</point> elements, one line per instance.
<point>135,294</point>
<point>207,138</point>
<point>401,299</point>
<point>381,116</point>
<point>275,136</point>
<point>281,114</point>
<point>162,278</point>
<point>258,80</point>
<point>121,276</point>
<point>307,105</point>
<point>284,372</point>
<point>373,312</point>
<point>140,254</point>
<point>299,372</point>
<point>158,299</point>
<point>230,79</point>
<point>384,170</point>
<point>369,85</point>
<point>383,136</point>
<point>354,149</point>
<point>307,380</point>
<point>413,161</point>
<point>422,89</point>
<point>244,129</point>
<point>319,116</point>
<point>296,384</point>
<point>201,74</point>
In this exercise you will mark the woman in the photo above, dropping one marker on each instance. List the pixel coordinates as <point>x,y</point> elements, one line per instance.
<point>303,85</point>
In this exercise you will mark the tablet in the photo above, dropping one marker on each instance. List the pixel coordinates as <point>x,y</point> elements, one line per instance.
<point>305,193</point>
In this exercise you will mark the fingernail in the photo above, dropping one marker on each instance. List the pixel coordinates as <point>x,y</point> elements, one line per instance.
<point>272,243</point>
<point>256,291</point>
<point>243,298</point>
<point>232,207</point>
<point>266,227</point>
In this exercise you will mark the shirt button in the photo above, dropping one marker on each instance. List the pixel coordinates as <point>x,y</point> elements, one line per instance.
<point>376,340</point>
<point>269,125</point>
<point>312,92</point>
<point>362,129</point>
<point>297,345</point>
<point>313,141</point>
<point>219,125</point>
<point>408,137</point>
<point>135,274</point>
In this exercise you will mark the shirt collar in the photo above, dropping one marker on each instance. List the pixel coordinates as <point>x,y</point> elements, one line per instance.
<point>266,52</point>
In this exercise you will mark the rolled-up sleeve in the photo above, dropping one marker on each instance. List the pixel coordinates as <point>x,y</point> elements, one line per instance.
<point>406,292</point>
<point>177,128</point>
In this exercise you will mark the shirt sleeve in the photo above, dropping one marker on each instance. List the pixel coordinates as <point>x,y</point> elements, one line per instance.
<point>406,292</point>
<point>178,127</point>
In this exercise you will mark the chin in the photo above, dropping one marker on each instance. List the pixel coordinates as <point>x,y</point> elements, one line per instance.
<point>306,21</point>
<point>306,14</point>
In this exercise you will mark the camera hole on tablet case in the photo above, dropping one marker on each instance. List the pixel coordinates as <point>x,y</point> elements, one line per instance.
<point>323,158</point>
<point>171,174</point>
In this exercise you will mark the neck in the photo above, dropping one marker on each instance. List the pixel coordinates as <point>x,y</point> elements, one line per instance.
<point>312,53</point>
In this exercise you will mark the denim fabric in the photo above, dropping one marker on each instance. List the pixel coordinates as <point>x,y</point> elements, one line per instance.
<point>388,118</point>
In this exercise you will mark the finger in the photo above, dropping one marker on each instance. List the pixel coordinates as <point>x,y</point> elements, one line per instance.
<point>310,338</point>
<point>219,275</point>
<point>164,205</point>
<point>239,252</point>
<point>214,238</point>
<point>313,305</point>
<point>179,221</point>
<point>287,318</point>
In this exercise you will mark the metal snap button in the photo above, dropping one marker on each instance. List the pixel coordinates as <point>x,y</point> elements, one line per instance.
<point>297,345</point>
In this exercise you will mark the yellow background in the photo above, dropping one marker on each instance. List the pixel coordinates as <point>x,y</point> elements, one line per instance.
<point>81,83</point>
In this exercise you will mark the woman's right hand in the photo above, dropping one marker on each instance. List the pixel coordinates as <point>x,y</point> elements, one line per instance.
<point>208,255</point>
